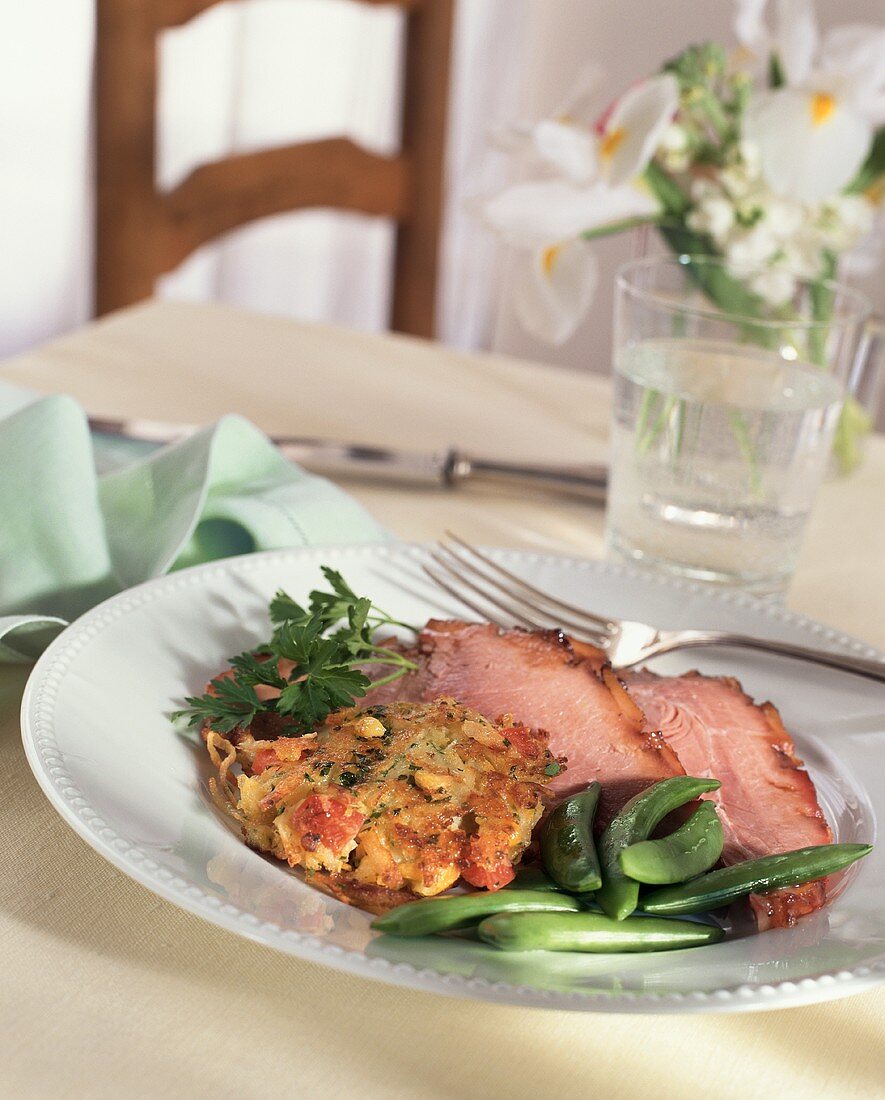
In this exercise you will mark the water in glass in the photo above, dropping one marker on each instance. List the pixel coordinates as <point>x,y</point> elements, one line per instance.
<point>718,449</point>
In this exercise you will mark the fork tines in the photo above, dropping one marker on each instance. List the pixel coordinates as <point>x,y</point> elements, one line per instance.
<point>503,598</point>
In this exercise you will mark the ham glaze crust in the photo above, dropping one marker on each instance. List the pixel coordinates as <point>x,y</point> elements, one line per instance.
<point>545,683</point>
<point>767,802</point>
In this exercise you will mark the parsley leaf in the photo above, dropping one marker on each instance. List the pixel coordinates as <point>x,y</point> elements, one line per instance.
<point>231,703</point>
<point>257,668</point>
<point>283,607</point>
<point>325,645</point>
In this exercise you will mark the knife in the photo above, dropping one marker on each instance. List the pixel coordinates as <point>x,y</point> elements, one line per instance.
<point>446,469</point>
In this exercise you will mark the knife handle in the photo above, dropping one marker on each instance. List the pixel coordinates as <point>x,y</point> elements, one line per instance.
<point>587,482</point>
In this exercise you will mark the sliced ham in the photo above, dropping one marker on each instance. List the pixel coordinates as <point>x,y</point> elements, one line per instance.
<point>767,801</point>
<point>543,682</point>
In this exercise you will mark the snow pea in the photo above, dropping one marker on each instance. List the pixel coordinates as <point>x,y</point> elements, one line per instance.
<point>593,932</point>
<point>531,878</point>
<point>429,915</point>
<point>753,876</point>
<point>688,851</point>
<point>567,845</point>
<point>636,819</point>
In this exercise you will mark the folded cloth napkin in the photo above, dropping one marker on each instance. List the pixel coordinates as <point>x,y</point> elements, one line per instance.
<point>70,536</point>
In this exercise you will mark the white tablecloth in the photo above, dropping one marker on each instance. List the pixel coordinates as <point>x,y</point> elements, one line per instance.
<point>108,991</point>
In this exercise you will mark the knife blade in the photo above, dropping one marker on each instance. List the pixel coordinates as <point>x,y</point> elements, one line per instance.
<point>446,468</point>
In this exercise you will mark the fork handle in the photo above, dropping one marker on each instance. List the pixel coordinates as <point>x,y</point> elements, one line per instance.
<point>688,639</point>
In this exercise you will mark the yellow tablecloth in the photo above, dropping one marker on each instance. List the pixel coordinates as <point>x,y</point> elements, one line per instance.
<point>109,991</point>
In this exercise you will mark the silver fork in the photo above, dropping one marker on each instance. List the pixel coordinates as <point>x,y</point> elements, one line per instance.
<point>503,598</point>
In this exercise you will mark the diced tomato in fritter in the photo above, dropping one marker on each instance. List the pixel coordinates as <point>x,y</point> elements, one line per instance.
<point>327,820</point>
<point>264,758</point>
<point>525,741</point>
<point>488,875</point>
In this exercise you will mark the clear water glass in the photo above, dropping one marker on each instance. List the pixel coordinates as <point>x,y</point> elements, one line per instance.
<point>723,423</point>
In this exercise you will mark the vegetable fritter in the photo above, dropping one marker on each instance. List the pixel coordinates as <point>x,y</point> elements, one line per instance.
<point>392,801</point>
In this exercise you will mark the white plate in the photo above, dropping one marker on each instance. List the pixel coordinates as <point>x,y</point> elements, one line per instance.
<point>99,742</point>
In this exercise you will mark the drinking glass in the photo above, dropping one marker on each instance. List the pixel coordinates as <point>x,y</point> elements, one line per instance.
<point>725,409</point>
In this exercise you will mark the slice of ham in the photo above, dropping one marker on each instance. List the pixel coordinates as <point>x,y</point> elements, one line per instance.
<point>767,801</point>
<point>544,682</point>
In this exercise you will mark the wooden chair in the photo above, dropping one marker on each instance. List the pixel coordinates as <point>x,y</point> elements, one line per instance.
<point>143,233</point>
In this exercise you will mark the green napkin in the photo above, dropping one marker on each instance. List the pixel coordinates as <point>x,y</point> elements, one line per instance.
<point>70,537</point>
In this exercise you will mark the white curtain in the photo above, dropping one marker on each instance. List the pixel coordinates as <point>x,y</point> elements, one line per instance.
<point>46,49</point>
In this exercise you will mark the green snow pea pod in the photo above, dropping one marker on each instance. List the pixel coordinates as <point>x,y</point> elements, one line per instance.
<point>593,932</point>
<point>429,915</point>
<point>753,876</point>
<point>634,822</point>
<point>531,878</point>
<point>689,851</point>
<point>567,845</point>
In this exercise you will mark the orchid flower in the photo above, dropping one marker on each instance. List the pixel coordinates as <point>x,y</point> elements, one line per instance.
<point>815,131</point>
<point>565,142</point>
<point>632,130</point>
<point>595,189</point>
<point>556,272</point>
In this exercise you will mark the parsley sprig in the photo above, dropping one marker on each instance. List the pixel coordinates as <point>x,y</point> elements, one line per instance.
<point>329,643</point>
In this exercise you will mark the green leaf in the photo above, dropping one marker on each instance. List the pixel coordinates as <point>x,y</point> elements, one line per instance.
<point>621,226</point>
<point>283,607</point>
<point>332,606</point>
<point>310,700</point>
<point>294,640</point>
<point>821,297</point>
<point>233,704</point>
<point>872,168</point>
<point>698,67</point>
<point>853,424</point>
<point>667,191</point>
<point>724,291</point>
<point>250,669</point>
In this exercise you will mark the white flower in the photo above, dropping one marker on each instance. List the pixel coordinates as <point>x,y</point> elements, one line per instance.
<point>564,142</point>
<point>845,220</point>
<point>803,255</point>
<point>784,218</point>
<point>814,133</point>
<point>674,148</point>
<point>704,188</point>
<point>595,186</point>
<point>631,132</point>
<point>775,286</point>
<point>555,274</point>
<point>748,154</point>
<point>750,248</point>
<point>674,139</point>
<point>553,288</point>
<point>713,215</point>
<point>567,148</point>
<point>741,175</point>
<point>543,213</point>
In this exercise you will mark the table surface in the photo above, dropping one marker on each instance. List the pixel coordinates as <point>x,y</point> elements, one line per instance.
<point>107,987</point>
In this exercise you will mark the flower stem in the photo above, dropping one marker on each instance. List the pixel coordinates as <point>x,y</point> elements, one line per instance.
<point>621,226</point>
<point>748,451</point>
